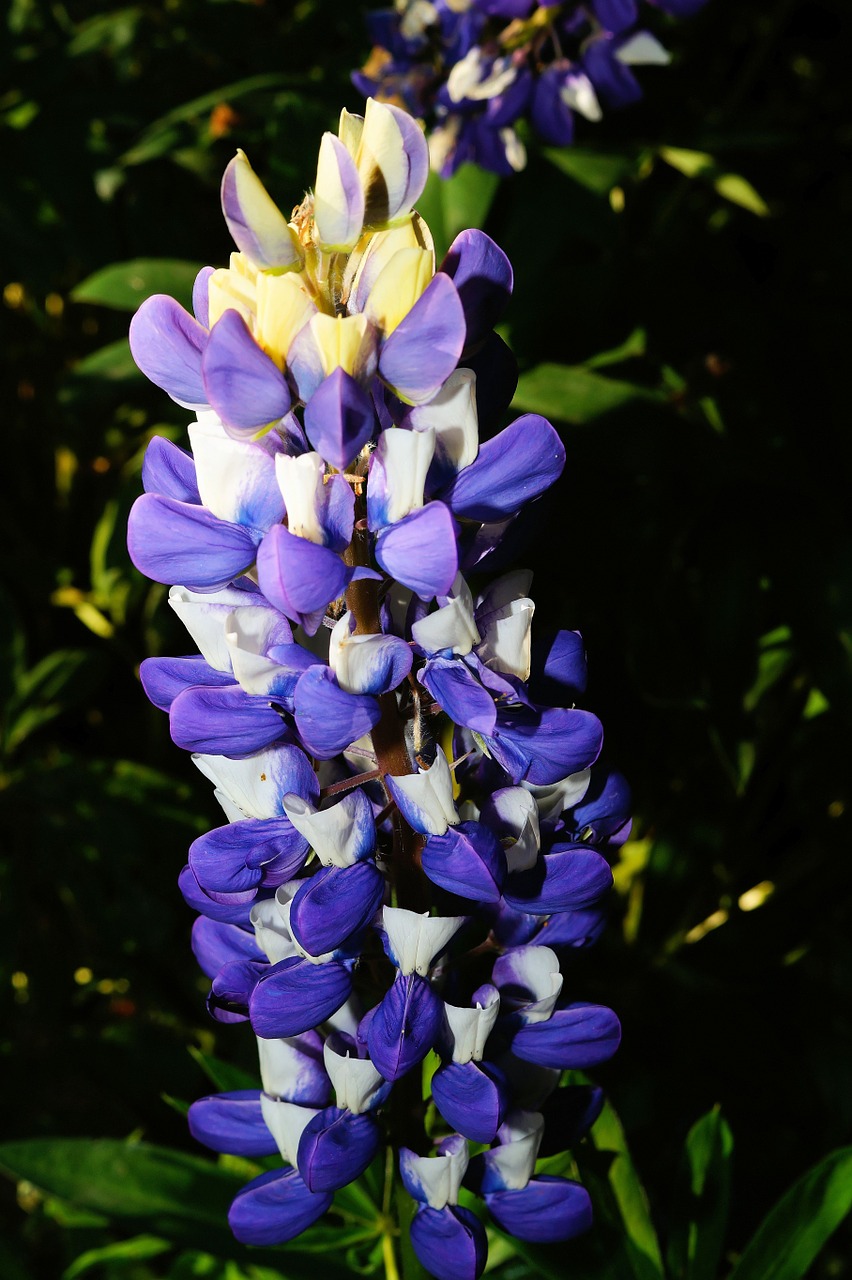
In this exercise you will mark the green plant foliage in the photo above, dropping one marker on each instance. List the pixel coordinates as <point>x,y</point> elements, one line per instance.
<point>700,1221</point>
<point>792,1234</point>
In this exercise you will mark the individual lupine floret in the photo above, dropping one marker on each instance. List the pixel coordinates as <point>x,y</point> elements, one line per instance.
<point>449,1240</point>
<point>471,1094</point>
<point>474,70</point>
<point>542,1209</point>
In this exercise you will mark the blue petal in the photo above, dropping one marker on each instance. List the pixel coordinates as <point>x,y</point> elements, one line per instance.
<point>550,746</point>
<point>566,879</point>
<point>579,1036</point>
<point>467,859</point>
<point>482,275</point>
<point>339,419</point>
<point>423,350</point>
<point>545,1210</point>
<point>275,1207</point>
<point>295,996</point>
<point>559,665</point>
<point>242,856</point>
<point>299,577</point>
<point>168,345</point>
<point>335,903</point>
<point>404,1027</point>
<point>327,717</point>
<point>169,471</point>
<point>336,1147</point>
<point>615,84</point>
<point>215,944</point>
<point>164,678</point>
<point>232,912</point>
<point>225,721</point>
<point>233,1124</point>
<point>243,385</point>
<point>572,928</point>
<point>200,299</point>
<point>172,541</point>
<point>472,1097</point>
<point>460,694</point>
<point>551,116</point>
<point>450,1243</point>
<point>604,811</point>
<point>515,467</point>
<point>420,550</point>
<point>232,987</point>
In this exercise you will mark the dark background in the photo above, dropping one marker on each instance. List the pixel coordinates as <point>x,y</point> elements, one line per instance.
<point>700,540</point>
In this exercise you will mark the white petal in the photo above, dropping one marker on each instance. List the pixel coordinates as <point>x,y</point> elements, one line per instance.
<point>520,1138</point>
<point>553,799</point>
<point>430,792</point>
<point>204,617</point>
<point>272,931</point>
<point>452,414</point>
<point>249,632</point>
<point>578,93</point>
<point>415,940</point>
<point>439,1177</point>
<point>285,1064</point>
<point>334,833</point>
<point>300,481</point>
<point>354,1080</point>
<point>452,626</point>
<point>251,784</point>
<point>471,1027</point>
<point>404,458</point>
<point>506,643</point>
<point>286,1121</point>
<point>643,49</point>
<point>229,472</point>
<point>535,969</point>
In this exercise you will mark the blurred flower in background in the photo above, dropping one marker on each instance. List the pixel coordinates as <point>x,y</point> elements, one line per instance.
<point>474,69</point>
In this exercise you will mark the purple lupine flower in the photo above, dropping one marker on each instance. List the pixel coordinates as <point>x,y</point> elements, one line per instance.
<point>406,780</point>
<point>474,70</point>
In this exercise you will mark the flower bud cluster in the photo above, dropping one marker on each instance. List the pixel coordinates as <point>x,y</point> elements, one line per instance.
<point>415,830</point>
<point>474,68</point>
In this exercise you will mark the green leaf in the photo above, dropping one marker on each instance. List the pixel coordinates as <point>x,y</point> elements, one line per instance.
<point>124,285</point>
<point>622,1197</point>
<point>450,205</point>
<point>793,1232</point>
<point>572,393</point>
<point>467,197</point>
<point>180,1197</point>
<point>139,1247</point>
<point>223,1075</point>
<point>46,690</point>
<point>730,186</point>
<point>700,1213</point>
<point>598,171</point>
<point>633,346</point>
<point>113,363</point>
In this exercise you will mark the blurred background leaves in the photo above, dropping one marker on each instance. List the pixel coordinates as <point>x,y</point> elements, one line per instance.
<point>681,313</point>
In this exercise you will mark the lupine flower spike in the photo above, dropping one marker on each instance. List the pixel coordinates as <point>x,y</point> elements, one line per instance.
<point>474,68</point>
<point>415,829</point>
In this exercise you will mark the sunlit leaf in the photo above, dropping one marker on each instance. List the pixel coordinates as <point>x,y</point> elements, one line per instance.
<point>793,1232</point>
<point>598,171</point>
<point>134,1250</point>
<point>700,1214</point>
<point>572,393</point>
<point>124,285</point>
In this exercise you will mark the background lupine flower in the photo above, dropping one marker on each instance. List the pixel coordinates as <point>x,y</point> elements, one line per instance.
<point>473,69</point>
<point>412,825</point>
